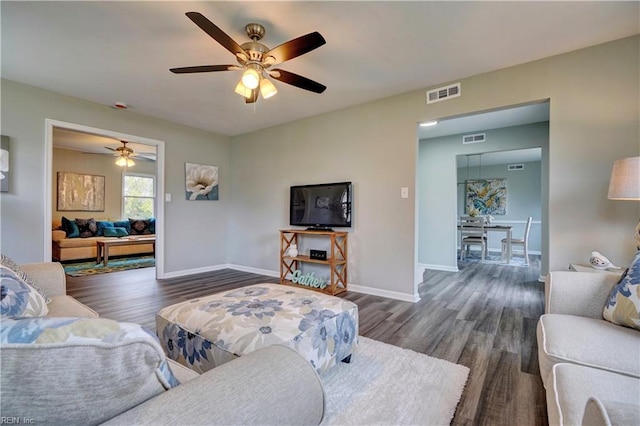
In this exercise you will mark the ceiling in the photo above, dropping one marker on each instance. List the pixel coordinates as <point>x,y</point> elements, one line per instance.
<point>95,144</point>
<point>122,51</point>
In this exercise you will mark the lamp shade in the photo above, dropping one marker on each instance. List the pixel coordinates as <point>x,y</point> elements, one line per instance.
<point>625,179</point>
<point>242,90</point>
<point>267,89</point>
<point>251,78</point>
<point>125,162</point>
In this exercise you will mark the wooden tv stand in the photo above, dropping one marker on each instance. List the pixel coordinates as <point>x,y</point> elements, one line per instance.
<point>337,259</point>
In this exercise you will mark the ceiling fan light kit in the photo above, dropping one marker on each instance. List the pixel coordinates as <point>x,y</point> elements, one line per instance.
<point>124,156</point>
<point>125,162</point>
<point>255,59</point>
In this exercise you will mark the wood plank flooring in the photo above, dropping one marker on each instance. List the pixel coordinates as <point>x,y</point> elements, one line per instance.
<point>483,317</point>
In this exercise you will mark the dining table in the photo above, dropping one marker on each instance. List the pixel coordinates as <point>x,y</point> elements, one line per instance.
<point>507,229</point>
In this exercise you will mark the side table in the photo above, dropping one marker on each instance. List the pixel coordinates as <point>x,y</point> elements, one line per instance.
<point>580,267</point>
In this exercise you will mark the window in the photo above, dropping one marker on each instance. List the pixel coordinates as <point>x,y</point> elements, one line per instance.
<point>138,195</point>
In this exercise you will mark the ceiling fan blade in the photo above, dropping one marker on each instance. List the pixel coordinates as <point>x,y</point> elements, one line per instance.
<point>216,33</point>
<point>201,68</point>
<point>296,47</point>
<point>299,81</point>
<point>251,99</point>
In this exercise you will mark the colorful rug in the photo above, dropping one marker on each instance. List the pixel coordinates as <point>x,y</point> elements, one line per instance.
<point>117,264</point>
<point>388,385</point>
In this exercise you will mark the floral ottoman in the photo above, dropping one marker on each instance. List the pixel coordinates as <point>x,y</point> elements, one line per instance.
<point>206,332</point>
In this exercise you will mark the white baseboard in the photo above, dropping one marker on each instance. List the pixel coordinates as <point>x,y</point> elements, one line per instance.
<point>185,272</point>
<point>352,287</point>
<point>445,268</point>
<point>385,293</point>
<point>252,270</point>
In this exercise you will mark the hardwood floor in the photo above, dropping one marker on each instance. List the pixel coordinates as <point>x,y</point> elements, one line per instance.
<point>483,317</point>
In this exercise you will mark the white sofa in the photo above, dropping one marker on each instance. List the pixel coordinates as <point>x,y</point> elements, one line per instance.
<point>590,367</point>
<point>271,386</point>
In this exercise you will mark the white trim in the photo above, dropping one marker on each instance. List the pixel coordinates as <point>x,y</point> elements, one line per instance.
<point>352,287</point>
<point>515,222</point>
<point>48,181</point>
<point>254,270</point>
<point>185,272</point>
<point>384,293</point>
<point>445,268</point>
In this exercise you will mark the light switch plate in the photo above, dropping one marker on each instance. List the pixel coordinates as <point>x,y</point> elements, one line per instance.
<point>404,192</point>
<point>167,196</point>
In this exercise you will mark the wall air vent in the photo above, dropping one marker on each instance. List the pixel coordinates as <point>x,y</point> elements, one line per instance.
<point>479,137</point>
<point>515,167</point>
<point>443,93</point>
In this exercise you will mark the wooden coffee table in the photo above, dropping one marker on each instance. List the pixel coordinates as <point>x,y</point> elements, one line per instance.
<point>103,246</point>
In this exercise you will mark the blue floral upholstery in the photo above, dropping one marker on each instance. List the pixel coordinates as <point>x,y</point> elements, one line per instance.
<point>623,306</point>
<point>19,296</point>
<point>206,332</point>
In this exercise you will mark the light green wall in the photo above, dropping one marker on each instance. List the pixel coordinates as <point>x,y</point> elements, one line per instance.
<point>195,232</point>
<point>375,146</point>
<point>437,183</point>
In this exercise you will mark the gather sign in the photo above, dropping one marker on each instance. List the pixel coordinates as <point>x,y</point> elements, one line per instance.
<point>308,280</point>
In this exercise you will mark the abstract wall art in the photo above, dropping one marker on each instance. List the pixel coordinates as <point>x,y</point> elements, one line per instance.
<point>486,197</point>
<point>80,192</point>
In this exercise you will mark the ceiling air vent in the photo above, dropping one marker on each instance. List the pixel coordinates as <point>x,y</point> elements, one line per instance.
<point>480,137</point>
<point>443,93</point>
<point>515,167</point>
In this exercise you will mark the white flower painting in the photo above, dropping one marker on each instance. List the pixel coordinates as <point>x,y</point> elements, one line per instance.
<point>201,182</point>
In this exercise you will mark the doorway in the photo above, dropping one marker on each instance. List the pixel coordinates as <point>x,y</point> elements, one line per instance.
<point>94,143</point>
<point>520,170</point>
<point>508,129</point>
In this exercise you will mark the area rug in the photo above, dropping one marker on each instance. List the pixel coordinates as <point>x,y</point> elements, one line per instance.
<point>119,264</point>
<point>388,385</point>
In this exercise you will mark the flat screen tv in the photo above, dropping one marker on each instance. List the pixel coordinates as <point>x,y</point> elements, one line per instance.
<point>321,206</point>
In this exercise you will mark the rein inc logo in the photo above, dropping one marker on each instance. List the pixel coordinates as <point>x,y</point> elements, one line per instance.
<point>6,420</point>
<point>309,280</point>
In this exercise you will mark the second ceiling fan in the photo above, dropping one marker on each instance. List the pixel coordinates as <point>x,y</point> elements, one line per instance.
<point>256,59</point>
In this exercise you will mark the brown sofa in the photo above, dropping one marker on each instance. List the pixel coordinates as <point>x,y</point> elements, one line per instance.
<point>64,248</point>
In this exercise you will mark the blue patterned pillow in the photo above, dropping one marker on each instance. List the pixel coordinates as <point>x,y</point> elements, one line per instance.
<point>116,231</point>
<point>623,306</point>
<point>19,296</point>
<point>123,224</point>
<point>102,225</point>
<point>94,359</point>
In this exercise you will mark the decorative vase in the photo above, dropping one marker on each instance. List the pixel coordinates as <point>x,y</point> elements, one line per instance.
<point>293,250</point>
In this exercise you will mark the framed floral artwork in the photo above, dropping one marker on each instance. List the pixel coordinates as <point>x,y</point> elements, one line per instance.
<point>486,197</point>
<point>201,182</point>
<point>80,192</point>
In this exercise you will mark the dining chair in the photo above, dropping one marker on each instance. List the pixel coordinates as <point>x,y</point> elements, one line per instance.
<point>472,233</point>
<point>524,242</point>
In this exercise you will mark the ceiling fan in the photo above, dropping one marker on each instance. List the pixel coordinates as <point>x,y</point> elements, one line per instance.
<point>256,59</point>
<point>125,155</point>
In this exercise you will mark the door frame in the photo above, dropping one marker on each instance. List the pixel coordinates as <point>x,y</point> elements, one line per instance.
<point>48,181</point>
